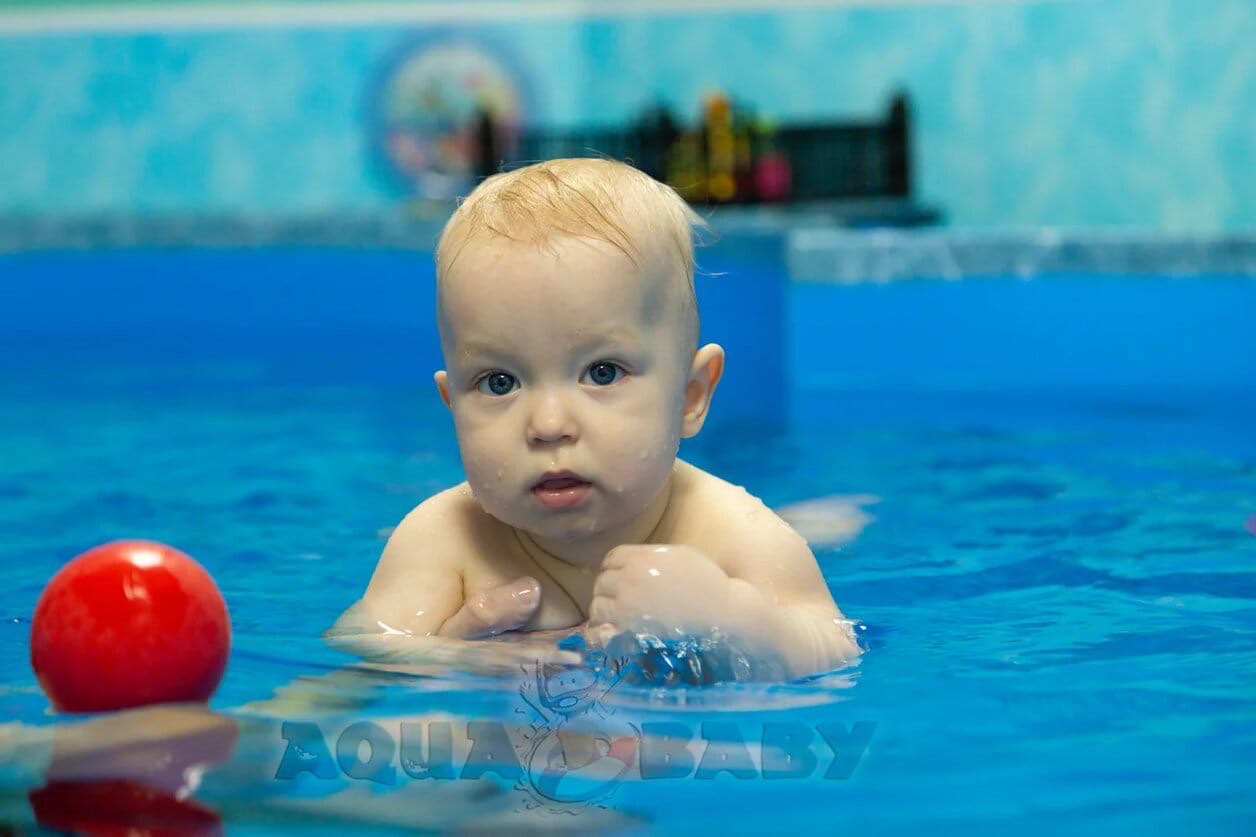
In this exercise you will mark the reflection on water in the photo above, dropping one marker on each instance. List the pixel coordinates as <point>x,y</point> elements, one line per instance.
<point>1060,609</point>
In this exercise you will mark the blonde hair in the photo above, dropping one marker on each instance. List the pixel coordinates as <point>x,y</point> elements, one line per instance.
<point>591,198</point>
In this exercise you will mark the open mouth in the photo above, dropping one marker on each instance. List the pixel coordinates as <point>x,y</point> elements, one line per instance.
<point>561,490</point>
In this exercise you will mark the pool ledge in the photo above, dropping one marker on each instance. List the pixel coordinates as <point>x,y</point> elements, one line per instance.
<point>879,256</point>
<point>817,248</point>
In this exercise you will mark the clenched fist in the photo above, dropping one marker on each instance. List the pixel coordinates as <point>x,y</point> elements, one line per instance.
<point>660,589</point>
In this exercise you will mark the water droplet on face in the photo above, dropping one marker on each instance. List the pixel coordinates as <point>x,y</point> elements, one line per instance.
<point>499,473</point>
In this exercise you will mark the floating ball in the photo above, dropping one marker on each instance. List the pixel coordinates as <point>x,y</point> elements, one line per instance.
<point>126,624</point>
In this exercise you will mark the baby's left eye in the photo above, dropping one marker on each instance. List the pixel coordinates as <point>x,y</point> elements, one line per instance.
<point>604,373</point>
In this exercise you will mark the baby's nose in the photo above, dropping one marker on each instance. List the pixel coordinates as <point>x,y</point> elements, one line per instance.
<point>551,420</point>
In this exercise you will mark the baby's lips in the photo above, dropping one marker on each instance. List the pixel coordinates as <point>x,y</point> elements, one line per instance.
<point>559,480</point>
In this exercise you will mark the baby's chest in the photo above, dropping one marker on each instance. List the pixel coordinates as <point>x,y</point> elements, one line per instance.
<point>563,605</point>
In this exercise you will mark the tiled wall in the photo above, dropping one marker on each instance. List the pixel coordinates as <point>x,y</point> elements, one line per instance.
<point>1075,112</point>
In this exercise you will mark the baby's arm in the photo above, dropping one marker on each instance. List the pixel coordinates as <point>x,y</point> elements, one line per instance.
<point>417,589</point>
<point>769,595</point>
<point>775,570</point>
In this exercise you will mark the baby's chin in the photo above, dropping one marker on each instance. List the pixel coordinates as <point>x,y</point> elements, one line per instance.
<point>558,527</point>
<point>570,525</point>
<point>600,515</point>
<point>563,529</point>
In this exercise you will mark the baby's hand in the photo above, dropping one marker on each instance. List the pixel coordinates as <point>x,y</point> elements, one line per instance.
<point>506,607</point>
<point>653,588</point>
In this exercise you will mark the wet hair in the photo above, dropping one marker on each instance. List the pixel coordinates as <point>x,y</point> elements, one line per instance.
<point>590,198</point>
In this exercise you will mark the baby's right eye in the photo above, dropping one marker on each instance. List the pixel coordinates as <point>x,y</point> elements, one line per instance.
<point>497,383</point>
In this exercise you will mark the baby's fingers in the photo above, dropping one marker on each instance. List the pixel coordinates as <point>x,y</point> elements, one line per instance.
<point>599,635</point>
<point>607,583</point>
<point>601,610</point>
<point>619,557</point>
<point>506,607</point>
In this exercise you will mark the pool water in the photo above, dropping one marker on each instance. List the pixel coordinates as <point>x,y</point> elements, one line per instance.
<point>1058,591</point>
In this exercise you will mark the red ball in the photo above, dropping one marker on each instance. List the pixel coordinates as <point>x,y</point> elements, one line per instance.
<point>127,624</point>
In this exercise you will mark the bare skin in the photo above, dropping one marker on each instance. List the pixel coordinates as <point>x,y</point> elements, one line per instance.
<point>571,381</point>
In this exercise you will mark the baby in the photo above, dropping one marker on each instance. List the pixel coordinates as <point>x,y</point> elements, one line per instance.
<point>569,327</point>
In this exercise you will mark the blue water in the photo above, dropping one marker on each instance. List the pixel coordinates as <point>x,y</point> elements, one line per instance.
<point>1058,591</point>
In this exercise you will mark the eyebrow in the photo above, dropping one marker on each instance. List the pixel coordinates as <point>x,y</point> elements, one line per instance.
<point>619,336</point>
<point>616,335</point>
<point>481,349</point>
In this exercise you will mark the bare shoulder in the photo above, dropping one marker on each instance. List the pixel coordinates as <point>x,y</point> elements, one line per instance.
<point>745,537</point>
<point>420,580</point>
<point>438,537</point>
<point>717,513</point>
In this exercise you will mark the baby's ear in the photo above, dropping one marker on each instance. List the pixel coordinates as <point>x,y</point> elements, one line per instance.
<point>704,376</point>
<point>442,385</point>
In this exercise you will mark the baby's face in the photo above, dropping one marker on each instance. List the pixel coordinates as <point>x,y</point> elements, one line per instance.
<point>566,377</point>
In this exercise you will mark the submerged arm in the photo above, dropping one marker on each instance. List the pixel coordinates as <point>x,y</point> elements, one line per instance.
<point>808,637</point>
<point>768,596</point>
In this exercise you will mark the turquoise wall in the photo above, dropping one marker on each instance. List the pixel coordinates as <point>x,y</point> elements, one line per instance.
<point>1094,112</point>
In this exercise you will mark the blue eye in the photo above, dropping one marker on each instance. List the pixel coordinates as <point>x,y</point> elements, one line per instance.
<point>604,373</point>
<point>497,383</point>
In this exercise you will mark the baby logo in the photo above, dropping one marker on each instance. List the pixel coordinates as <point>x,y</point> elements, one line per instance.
<point>577,752</point>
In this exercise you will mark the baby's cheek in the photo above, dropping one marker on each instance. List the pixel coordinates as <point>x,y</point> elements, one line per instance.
<point>637,464</point>
<point>488,470</point>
